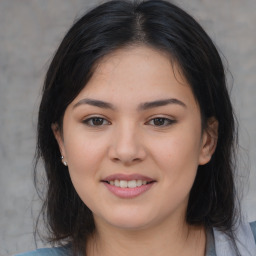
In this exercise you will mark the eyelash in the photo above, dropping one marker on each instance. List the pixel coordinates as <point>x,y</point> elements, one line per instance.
<point>90,121</point>
<point>163,121</point>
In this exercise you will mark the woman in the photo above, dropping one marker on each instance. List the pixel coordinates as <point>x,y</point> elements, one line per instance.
<point>137,135</point>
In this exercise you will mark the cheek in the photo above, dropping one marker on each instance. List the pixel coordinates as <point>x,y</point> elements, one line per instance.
<point>178,147</point>
<point>85,156</point>
<point>84,161</point>
<point>81,145</point>
<point>178,155</point>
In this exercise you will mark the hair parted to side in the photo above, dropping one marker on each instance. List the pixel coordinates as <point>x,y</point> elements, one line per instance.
<point>102,30</point>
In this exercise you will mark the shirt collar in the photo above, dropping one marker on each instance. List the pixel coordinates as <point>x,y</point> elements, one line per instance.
<point>210,245</point>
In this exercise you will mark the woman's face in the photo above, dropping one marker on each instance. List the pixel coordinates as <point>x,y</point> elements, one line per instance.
<point>132,139</point>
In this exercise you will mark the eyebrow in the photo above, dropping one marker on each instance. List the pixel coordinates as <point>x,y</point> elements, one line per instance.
<point>141,107</point>
<point>96,103</point>
<point>160,103</point>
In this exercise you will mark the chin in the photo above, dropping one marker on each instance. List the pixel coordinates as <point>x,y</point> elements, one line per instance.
<point>127,220</point>
<point>128,224</point>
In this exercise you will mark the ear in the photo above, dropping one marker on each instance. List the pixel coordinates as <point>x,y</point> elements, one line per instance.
<point>209,141</point>
<point>58,136</point>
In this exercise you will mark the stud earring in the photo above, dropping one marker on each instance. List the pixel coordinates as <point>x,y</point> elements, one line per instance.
<point>64,162</point>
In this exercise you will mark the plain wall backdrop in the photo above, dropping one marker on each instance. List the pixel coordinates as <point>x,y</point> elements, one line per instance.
<point>31,30</point>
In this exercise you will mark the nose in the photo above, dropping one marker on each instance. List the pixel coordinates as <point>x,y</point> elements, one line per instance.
<point>127,146</point>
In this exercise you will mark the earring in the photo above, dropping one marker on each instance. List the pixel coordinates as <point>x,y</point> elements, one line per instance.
<point>64,162</point>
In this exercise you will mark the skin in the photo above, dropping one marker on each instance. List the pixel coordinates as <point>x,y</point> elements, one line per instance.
<point>128,140</point>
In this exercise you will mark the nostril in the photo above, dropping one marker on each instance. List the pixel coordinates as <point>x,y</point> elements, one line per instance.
<point>126,153</point>
<point>116,159</point>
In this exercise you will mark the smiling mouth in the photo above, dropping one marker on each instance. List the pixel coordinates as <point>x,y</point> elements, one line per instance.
<point>128,184</point>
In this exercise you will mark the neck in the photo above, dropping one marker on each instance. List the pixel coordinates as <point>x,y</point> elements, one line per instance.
<point>167,240</point>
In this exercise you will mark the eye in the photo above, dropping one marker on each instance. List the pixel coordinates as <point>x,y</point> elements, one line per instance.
<point>96,121</point>
<point>161,121</point>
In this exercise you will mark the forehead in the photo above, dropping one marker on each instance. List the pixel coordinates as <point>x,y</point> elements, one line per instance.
<point>134,73</point>
<point>136,61</point>
<point>130,54</point>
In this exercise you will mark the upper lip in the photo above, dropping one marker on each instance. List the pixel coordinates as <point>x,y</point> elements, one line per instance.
<point>127,177</point>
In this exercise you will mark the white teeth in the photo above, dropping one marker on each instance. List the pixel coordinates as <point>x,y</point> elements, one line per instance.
<point>127,184</point>
<point>123,184</point>
<point>132,184</point>
<point>139,183</point>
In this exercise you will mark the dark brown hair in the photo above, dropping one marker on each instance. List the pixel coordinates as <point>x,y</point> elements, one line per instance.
<point>108,27</point>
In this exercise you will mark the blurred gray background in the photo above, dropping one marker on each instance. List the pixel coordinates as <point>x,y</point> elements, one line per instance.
<point>30,31</point>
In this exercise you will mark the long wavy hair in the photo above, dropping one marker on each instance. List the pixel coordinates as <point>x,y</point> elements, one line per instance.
<point>104,29</point>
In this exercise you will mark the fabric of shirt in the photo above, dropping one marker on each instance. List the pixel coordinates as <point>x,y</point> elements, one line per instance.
<point>218,244</point>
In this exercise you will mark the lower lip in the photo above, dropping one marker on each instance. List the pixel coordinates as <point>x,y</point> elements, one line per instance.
<point>128,192</point>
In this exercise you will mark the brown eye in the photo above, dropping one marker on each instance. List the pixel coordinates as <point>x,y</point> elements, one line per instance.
<point>96,121</point>
<point>161,121</point>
